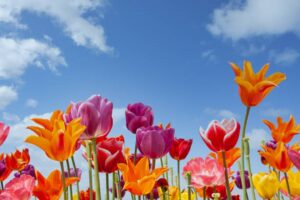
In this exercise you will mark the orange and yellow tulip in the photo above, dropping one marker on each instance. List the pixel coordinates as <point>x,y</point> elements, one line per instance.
<point>139,180</point>
<point>285,131</point>
<point>57,139</point>
<point>51,188</point>
<point>18,160</point>
<point>278,157</point>
<point>253,88</point>
<point>231,156</point>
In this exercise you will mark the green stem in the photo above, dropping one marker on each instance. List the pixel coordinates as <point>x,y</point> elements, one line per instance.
<point>226,176</point>
<point>63,180</point>
<point>166,164</point>
<point>2,186</point>
<point>113,185</point>
<point>288,185</point>
<point>242,172</point>
<point>172,175</point>
<point>75,170</point>
<point>153,167</point>
<point>204,193</point>
<point>249,167</point>
<point>107,186</point>
<point>69,173</point>
<point>135,153</point>
<point>178,178</point>
<point>96,177</point>
<point>119,194</point>
<point>89,157</point>
<point>162,165</point>
<point>189,185</point>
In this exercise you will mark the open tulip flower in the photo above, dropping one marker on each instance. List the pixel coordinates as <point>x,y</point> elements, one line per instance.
<point>59,144</point>
<point>221,136</point>
<point>266,185</point>
<point>253,88</point>
<point>51,188</point>
<point>180,148</point>
<point>285,131</point>
<point>4,130</point>
<point>138,115</point>
<point>139,180</point>
<point>18,160</point>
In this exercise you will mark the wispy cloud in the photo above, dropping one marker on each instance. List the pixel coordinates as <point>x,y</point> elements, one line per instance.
<point>209,55</point>
<point>10,117</point>
<point>275,112</point>
<point>222,113</point>
<point>31,103</point>
<point>285,57</point>
<point>256,136</point>
<point>7,95</point>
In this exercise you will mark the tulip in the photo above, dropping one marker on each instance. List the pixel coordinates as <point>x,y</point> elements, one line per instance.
<point>231,156</point>
<point>221,136</point>
<point>154,142</point>
<point>138,115</point>
<point>266,184</point>
<point>180,148</point>
<point>4,130</point>
<point>139,180</point>
<point>253,88</point>
<point>294,184</point>
<point>173,193</point>
<point>295,157</point>
<point>73,174</point>
<point>51,187</point>
<point>204,172</point>
<point>285,131</point>
<point>219,189</point>
<point>18,160</point>
<point>238,181</point>
<point>96,114</point>
<point>4,169</point>
<point>28,170</point>
<point>85,195</point>
<point>18,188</point>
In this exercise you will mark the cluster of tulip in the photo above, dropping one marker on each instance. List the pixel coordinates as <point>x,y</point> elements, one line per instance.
<point>145,173</point>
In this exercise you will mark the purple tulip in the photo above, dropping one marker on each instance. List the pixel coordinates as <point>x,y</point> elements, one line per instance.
<point>295,158</point>
<point>73,174</point>
<point>154,193</point>
<point>271,144</point>
<point>138,115</point>
<point>28,170</point>
<point>154,141</point>
<point>96,115</point>
<point>238,180</point>
<point>2,167</point>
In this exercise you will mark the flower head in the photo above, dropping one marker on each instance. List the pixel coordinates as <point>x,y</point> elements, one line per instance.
<point>294,183</point>
<point>231,156</point>
<point>28,170</point>
<point>180,148</point>
<point>253,88</point>
<point>294,155</point>
<point>238,180</point>
<point>265,184</point>
<point>4,130</point>
<point>18,160</point>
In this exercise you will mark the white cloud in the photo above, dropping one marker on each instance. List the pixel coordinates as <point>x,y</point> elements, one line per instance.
<point>243,19</point>
<point>31,103</point>
<point>69,14</point>
<point>10,117</point>
<point>209,55</point>
<point>118,114</point>
<point>18,54</point>
<point>256,136</point>
<point>285,57</point>
<point>275,112</point>
<point>7,95</point>
<point>222,113</point>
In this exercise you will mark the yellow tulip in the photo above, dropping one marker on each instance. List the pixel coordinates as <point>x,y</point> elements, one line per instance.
<point>173,193</point>
<point>294,182</point>
<point>266,184</point>
<point>185,195</point>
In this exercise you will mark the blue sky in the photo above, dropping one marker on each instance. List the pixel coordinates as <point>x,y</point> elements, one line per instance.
<point>171,55</point>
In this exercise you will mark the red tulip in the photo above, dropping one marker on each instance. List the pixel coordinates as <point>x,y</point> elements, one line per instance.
<point>4,130</point>
<point>180,148</point>
<point>221,136</point>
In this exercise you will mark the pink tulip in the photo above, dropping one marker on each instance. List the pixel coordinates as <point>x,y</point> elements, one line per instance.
<point>205,172</point>
<point>221,136</point>
<point>18,188</point>
<point>295,158</point>
<point>4,130</point>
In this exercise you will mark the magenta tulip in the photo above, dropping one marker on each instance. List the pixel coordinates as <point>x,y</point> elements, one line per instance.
<point>96,115</point>
<point>154,141</point>
<point>138,115</point>
<point>4,130</point>
<point>221,136</point>
<point>295,158</point>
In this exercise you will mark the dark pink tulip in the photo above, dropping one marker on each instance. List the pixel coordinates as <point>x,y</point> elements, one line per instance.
<point>295,158</point>
<point>4,130</point>
<point>138,115</point>
<point>96,115</point>
<point>154,141</point>
<point>221,136</point>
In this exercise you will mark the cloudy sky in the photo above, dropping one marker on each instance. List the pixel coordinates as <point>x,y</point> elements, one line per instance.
<point>172,55</point>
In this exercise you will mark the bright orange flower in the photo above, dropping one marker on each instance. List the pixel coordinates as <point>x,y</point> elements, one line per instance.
<point>231,156</point>
<point>278,157</point>
<point>139,180</point>
<point>285,131</point>
<point>57,139</point>
<point>52,187</point>
<point>18,160</point>
<point>253,88</point>
<point>5,170</point>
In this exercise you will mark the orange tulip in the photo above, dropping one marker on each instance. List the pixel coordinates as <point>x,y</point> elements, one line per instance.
<point>4,169</point>
<point>278,157</point>
<point>52,187</point>
<point>231,156</point>
<point>18,160</point>
<point>139,180</point>
<point>285,131</point>
<point>253,88</point>
<point>57,139</point>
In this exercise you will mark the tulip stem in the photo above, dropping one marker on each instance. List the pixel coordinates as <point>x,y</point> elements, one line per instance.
<point>119,194</point>
<point>153,168</point>
<point>89,158</point>
<point>69,173</point>
<point>162,165</point>
<point>2,186</point>
<point>166,164</point>
<point>204,193</point>
<point>178,178</point>
<point>287,185</point>
<point>249,167</point>
<point>113,189</point>
<point>107,185</point>
<point>189,185</point>
<point>63,180</point>
<point>96,169</point>
<point>226,176</point>
<point>135,153</point>
<point>242,172</point>
<point>75,170</point>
